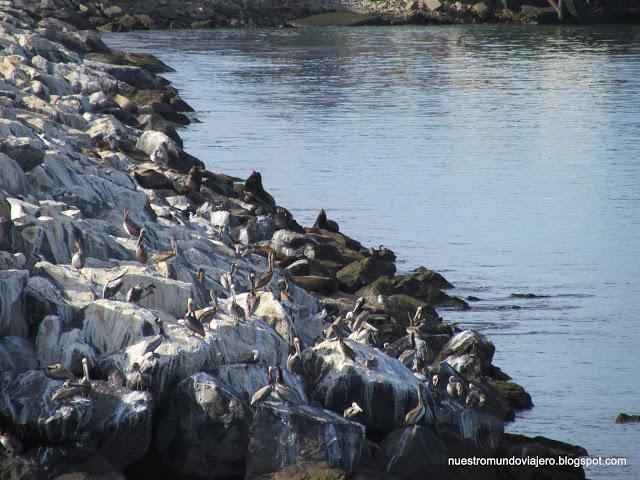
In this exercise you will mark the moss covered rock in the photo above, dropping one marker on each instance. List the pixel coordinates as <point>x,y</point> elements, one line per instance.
<point>363,272</point>
<point>515,395</point>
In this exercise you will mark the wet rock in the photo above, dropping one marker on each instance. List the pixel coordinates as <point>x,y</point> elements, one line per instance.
<point>283,435</point>
<point>385,393</point>
<point>626,418</point>
<point>480,429</point>
<point>211,435</point>
<point>363,272</point>
<point>410,451</point>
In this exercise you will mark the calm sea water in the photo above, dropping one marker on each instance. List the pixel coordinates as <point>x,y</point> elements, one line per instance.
<point>507,158</point>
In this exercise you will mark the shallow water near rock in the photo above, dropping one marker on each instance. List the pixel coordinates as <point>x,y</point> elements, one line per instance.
<point>506,158</point>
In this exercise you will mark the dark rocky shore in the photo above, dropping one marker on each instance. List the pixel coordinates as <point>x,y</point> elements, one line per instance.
<point>86,133</point>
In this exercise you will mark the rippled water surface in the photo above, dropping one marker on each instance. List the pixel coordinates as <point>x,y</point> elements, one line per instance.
<point>508,158</point>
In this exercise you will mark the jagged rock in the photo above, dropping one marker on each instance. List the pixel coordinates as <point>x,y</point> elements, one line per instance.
<point>257,229</point>
<point>470,342</point>
<point>515,395</point>
<point>410,451</point>
<point>385,393</point>
<point>16,355</point>
<point>28,152</point>
<point>13,320</point>
<point>212,429</point>
<point>112,420</point>
<point>283,435</point>
<point>13,178</point>
<point>165,152</point>
<point>362,272</point>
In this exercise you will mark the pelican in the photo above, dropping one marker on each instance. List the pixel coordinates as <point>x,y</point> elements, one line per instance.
<point>132,228</point>
<point>235,310</point>
<point>57,372</point>
<point>286,294</point>
<point>113,286</point>
<point>85,381</point>
<point>352,411</point>
<point>226,279</point>
<point>282,392</point>
<point>191,322</point>
<point>346,350</point>
<point>163,256</point>
<point>475,397</point>
<point>138,292</point>
<point>200,276</point>
<point>67,390</point>
<point>333,328</point>
<point>358,321</point>
<point>153,342</point>
<point>251,299</point>
<point>384,301</point>
<point>357,308</point>
<point>10,443</point>
<point>78,258</point>
<point>415,415</point>
<point>265,391</point>
<point>417,317</point>
<point>322,315</point>
<point>141,252</point>
<point>241,250</point>
<point>296,357</point>
<point>265,277</point>
<point>453,387</point>
<point>136,380</point>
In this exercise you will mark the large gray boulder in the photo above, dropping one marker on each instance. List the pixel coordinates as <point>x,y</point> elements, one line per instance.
<point>410,452</point>
<point>13,179</point>
<point>12,306</point>
<point>283,435</point>
<point>28,152</point>
<point>386,393</point>
<point>210,433</point>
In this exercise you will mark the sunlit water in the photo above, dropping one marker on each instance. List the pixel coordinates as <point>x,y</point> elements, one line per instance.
<point>507,158</point>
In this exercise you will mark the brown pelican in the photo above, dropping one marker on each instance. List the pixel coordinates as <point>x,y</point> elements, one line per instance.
<point>352,411</point>
<point>282,392</point>
<point>346,350</point>
<point>153,342</point>
<point>141,252</point>
<point>415,415</point>
<point>389,350</point>
<point>10,443</point>
<point>334,328</point>
<point>138,292</point>
<point>435,380</point>
<point>191,323</point>
<point>357,308</point>
<point>67,390</point>
<point>475,398</point>
<point>57,372</point>
<point>321,315</point>
<point>265,391</point>
<point>200,277</point>
<point>227,278</point>
<point>323,223</point>
<point>113,286</point>
<point>163,256</point>
<point>357,322</point>
<point>455,388</point>
<point>286,294</point>
<point>78,258</point>
<point>252,298</point>
<point>85,381</point>
<point>132,228</point>
<point>242,250</point>
<point>136,380</point>
<point>296,356</point>
<point>235,310</point>
<point>384,301</point>
<point>265,277</point>
<point>417,317</point>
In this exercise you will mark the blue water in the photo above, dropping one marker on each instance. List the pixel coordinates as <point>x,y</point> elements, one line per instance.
<point>507,158</point>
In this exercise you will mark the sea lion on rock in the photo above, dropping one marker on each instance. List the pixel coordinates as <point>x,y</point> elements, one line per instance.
<point>253,184</point>
<point>153,179</point>
<point>315,283</point>
<point>193,183</point>
<point>325,224</point>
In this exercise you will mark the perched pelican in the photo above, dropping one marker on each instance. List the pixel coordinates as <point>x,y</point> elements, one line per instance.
<point>321,315</point>
<point>286,294</point>
<point>296,356</point>
<point>357,308</point>
<point>282,392</point>
<point>191,323</point>
<point>475,398</point>
<point>358,321</point>
<point>434,381</point>
<point>235,310</point>
<point>85,381</point>
<point>251,300</point>
<point>132,228</point>
<point>10,443</point>
<point>384,301</point>
<point>113,286</point>
<point>417,317</point>
<point>241,250</point>
<point>200,276</point>
<point>138,292</point>
<point>163,256</point>
<point>352,411</point>
<point>227,278</point>
<point>346,350</point>
<point>153,342</point>
<point>57,372</point>
<point>141,252</point>
<point>265,277</point>
<point>136,380</point>
<point>415,415</point>
<point>265,391</point>
<point>455,389</point>
<point>78,258</point>
<point>334,328</point>
<point>389,350</point>
<point>67,390</point>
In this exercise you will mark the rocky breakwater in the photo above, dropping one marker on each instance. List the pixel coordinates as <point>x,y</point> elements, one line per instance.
<point>159,319</point>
